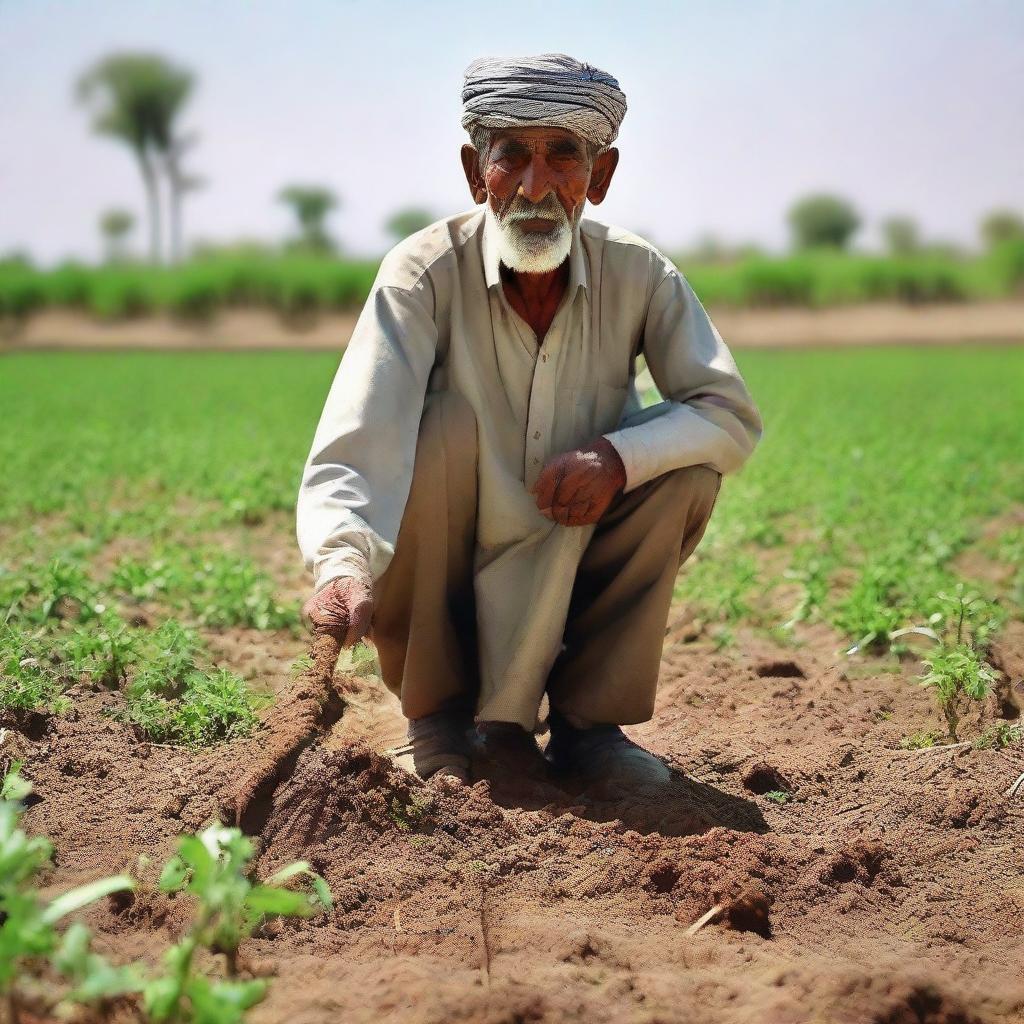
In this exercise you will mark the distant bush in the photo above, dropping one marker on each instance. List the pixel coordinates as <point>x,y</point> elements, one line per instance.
<point>301,285</point>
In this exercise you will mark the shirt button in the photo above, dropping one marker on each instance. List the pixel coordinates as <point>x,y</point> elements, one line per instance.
<point>536,435</point>
<point>544,357</point>
<point>536,462</point>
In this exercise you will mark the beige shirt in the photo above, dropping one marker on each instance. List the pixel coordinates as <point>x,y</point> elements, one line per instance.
<point>437,318</point>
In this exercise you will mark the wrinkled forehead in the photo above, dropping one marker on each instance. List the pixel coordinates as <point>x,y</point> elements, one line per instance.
<point>550,139</point>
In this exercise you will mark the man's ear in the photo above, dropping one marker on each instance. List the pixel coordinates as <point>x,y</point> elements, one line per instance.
<point>471,167</point>
<point>601,175</point>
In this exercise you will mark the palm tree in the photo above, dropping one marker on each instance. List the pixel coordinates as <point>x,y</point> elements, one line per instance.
<point>311,204</point>
<point>136,98</point>
<point>115,226</point>
<point>179,182</point>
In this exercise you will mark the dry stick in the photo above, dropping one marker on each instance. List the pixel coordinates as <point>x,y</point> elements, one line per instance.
<point>706,919</point>
<point>309,709</point>
<point>935,750</point>
<point>485,960</point>
<point>1017,787</point>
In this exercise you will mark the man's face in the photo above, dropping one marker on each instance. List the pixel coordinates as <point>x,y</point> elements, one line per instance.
<point>536,182</point>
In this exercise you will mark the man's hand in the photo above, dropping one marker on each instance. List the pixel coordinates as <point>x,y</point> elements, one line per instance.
<point>576,488</point>
<point>343,607</point>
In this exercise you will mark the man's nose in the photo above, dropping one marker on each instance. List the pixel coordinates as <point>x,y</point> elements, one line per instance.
<point>536,183</point>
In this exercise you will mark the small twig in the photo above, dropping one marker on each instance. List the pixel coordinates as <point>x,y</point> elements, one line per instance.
<point>705,919</point>
<point>1017,787</point>
<point>485,960</point>
<point>398,919</point>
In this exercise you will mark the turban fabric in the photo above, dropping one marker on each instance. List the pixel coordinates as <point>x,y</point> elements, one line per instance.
<point>549,90</point>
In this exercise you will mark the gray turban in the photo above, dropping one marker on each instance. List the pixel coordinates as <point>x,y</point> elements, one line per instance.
<point>549,90</point>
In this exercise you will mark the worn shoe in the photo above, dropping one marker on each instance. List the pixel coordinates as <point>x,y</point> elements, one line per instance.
<point>440,744</point>
<point>506,748</point>
<point>604,755</point>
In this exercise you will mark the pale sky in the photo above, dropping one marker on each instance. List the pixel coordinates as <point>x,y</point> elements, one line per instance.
<point>735,109</point>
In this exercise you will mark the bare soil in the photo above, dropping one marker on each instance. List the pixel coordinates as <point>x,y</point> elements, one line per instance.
<point>867,324</point>
<point>889,887</point>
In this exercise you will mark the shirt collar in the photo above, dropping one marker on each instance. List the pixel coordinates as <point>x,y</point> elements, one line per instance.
<point>578,275</point>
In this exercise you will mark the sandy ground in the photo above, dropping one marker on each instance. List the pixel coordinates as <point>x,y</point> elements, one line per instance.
<point>885,887</point>
<point>871,324</point>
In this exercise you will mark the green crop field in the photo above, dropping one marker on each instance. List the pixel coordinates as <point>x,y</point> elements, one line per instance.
<point>150,590</point>
<point>147,510</point>
<point>296,285</point>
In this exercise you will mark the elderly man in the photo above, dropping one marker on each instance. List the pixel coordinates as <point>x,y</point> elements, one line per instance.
<point>485,496</point>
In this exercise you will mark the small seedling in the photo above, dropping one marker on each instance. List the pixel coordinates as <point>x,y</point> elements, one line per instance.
<point>28,933</point>
<point>956,670</point>
<point>920,740</point>
<point>778,796</point>
<point>1000,736</point>
<point>213,868</point>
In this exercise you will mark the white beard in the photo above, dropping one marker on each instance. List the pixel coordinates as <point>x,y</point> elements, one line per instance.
<point>531,252</point>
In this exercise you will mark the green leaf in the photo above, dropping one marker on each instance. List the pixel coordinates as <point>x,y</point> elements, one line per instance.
<point>265,900</point>
<point>323,891</point>
<point>297,867</point>
<point>174,875</point>
<point>84,895</point>
<point>160,998</point>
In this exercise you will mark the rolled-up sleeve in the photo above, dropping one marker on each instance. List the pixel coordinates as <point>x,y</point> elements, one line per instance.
<point>708,416</point>
<point>356,480</point>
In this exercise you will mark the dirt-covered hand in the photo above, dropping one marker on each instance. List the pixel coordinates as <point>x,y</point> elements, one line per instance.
<point>576,488</point>
<point>343,607</point>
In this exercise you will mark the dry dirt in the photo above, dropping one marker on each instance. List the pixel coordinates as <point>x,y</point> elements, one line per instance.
<point>889,889</point>
<point>867,324</point>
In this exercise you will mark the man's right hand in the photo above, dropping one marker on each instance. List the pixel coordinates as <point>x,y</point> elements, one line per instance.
<point>344,607</point>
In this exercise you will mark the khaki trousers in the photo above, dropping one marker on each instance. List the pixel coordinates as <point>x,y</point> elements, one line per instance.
<point>424,622</point>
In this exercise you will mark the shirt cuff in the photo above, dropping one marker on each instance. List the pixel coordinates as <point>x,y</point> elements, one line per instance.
<point>677,437</point>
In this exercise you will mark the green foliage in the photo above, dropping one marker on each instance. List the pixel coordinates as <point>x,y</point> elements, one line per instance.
<point>1000,736</point>
<point>1001,226</point>
<point>213,868</point>
<point>957,670</point>
<point>922,740</point>
<point>28,678</point>
<point>307,280</point>
<point>956,673</point>
<point>407,222</point>
<point>168,694</point>
<point>902,235</point>
<point>208,707</point>
<point>778,796</point>
<point>28,932</point>
<point>311,204</point>
<point>822,220</point>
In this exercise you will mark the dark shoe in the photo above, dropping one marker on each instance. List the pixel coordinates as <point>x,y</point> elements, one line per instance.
<point>508,750</point>
<point>440,744</point>
<point>603,755</point>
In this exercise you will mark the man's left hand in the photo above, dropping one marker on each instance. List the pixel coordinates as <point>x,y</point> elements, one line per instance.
<point>576,488</point>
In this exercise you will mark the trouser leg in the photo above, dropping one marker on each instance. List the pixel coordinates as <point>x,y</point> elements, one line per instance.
<point>608,672</point>
<point>424,622</point>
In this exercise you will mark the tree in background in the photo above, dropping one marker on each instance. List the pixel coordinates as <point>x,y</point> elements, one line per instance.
<point>403,223</point>
<point>822,220</point>
<point>310,204</point>
<point>115,226</point>
<point>136,98</point>
<point>179,182</point>
<point>1001,226</point>
<point>901,235</point>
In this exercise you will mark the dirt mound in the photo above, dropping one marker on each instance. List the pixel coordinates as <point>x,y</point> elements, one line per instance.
<point>800,867</point>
